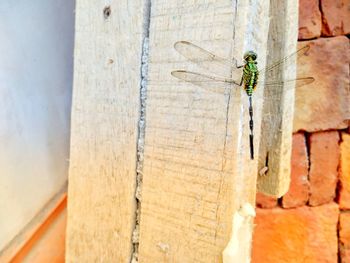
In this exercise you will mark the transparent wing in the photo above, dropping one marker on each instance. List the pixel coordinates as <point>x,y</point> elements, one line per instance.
<point>205,59</point>
<point>211,83</point>
<point>272,69</point>
<point>220,84</point>
<point>298,82</point>
<point>271,74</point>
<point>274,91</point>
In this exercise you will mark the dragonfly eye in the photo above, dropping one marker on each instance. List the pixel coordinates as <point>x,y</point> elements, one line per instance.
<point>254,56</point>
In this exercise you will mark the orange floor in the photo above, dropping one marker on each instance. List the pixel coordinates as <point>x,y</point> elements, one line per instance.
<point>43,241</point>
<point>50,246</point>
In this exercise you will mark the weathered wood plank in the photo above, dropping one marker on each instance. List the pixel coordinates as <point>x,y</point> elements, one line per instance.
<point>102,176</point>
<point>277,123</point>
<point>197,170</point>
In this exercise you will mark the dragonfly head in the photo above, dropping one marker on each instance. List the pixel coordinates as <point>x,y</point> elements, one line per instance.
<point>250,56</point>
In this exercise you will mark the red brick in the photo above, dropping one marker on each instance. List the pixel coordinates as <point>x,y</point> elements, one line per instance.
<point>324,104</point>
<point>310,22</point>
<point>336,17</point>
<point>265,201</point>
<point>344,237</point>
<point>298,193</point>
<point>344,173</point>
<point>304,234</point>
<point>323,176</point>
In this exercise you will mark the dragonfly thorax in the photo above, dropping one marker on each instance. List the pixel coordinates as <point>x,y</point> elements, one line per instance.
<point>250,76</point>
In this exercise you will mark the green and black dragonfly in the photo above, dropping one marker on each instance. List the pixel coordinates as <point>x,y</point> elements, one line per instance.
<point>247,74</point>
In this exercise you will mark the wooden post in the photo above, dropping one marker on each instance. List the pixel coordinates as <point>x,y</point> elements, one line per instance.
<point>194,181</point>
<point>105,114</point>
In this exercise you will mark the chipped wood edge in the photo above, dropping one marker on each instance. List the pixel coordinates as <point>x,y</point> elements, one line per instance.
<point>242,227</point>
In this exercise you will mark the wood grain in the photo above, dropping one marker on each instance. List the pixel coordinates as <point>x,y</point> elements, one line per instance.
<point>102,176</point>
<point>197,171</point>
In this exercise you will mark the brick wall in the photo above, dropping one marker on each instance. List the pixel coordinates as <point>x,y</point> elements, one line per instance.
<point>311,223</point>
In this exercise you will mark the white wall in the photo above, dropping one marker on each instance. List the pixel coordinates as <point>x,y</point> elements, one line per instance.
<point>36,59</point>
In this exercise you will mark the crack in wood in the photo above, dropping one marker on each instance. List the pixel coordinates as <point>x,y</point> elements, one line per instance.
<point>141,132</point>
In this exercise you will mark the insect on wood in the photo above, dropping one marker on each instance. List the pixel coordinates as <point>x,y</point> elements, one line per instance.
<point>249,74</point>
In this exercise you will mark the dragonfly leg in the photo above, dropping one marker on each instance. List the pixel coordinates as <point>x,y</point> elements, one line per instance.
<point>239,66</point>
<point>240,84</point>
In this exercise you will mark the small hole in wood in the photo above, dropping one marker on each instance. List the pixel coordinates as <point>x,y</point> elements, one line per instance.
<point>107,12</point>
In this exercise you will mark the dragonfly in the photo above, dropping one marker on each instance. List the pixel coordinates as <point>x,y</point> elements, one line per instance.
<point>248,74</point>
